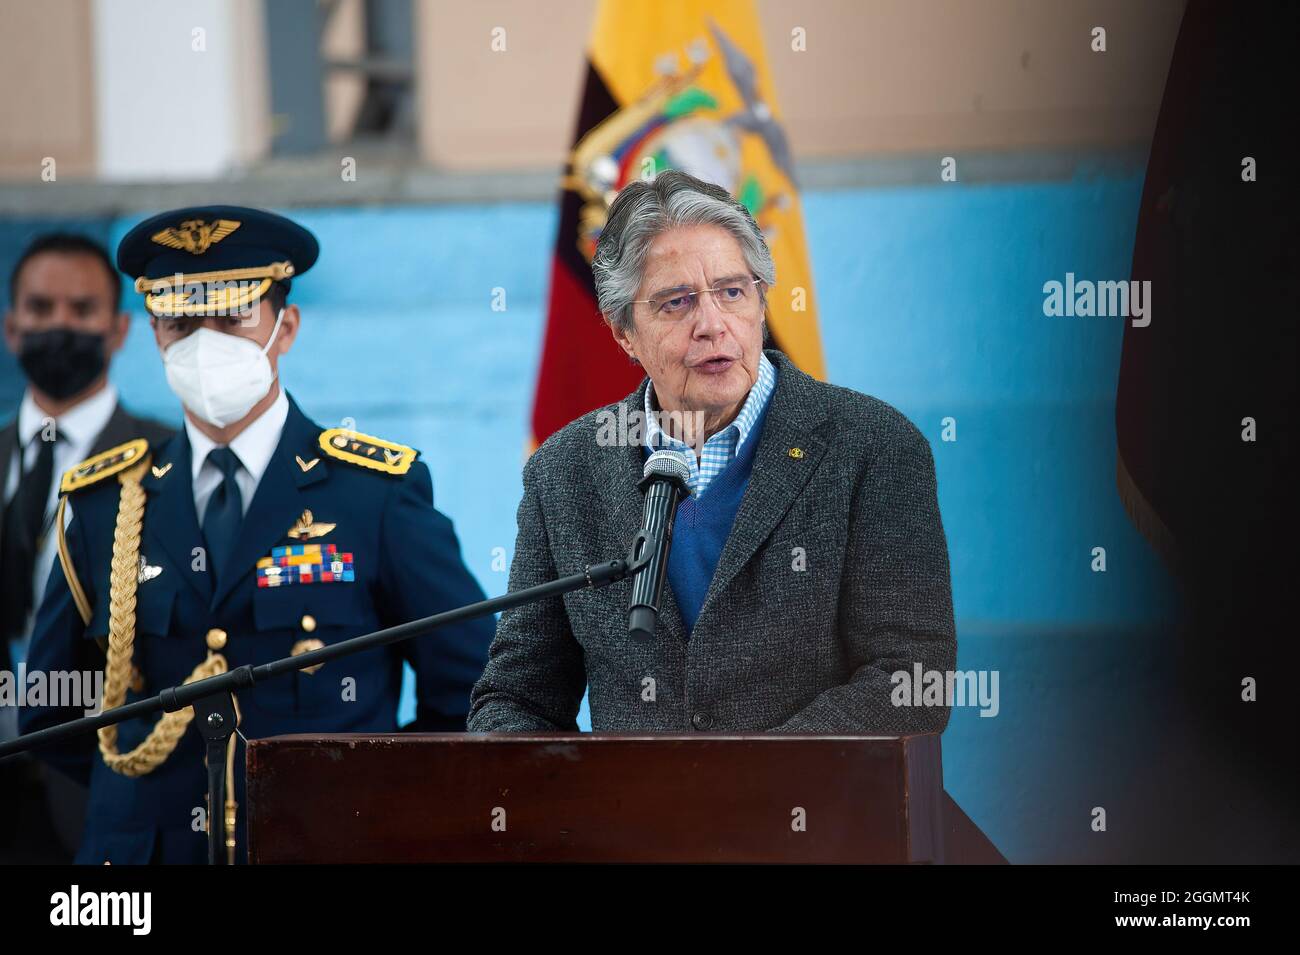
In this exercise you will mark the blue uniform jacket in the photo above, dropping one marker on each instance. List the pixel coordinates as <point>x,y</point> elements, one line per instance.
<point>406,562</point>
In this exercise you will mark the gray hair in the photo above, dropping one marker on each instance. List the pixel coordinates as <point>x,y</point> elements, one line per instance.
<point>646,209</point>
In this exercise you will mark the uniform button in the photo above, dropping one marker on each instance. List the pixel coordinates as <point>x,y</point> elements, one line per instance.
<point>702,721</point>
<point>308,622</point>
<point>216,638</point>
<point>306,646</point>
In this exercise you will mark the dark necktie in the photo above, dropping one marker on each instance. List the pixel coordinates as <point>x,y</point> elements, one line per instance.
<point>225,511</point>
<point>24,520</point>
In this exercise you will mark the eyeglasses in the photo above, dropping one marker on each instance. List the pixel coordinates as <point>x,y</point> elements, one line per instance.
<point>732,296</point>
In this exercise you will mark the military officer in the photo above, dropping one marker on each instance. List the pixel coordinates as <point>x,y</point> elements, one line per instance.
<point>253,534</point>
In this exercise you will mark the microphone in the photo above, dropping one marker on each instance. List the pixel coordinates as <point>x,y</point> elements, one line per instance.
<point>665,485</point>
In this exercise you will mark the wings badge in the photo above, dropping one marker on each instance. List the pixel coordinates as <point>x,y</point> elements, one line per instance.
<point>195,236</point>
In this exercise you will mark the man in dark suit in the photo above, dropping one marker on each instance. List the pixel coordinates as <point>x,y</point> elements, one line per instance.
<point>807,588</point>
<point>64,325</point>
<point>254,534</point>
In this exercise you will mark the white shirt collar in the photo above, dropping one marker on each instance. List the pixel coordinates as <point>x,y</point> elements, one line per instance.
<point>79,425</point>
<point>254,446</point>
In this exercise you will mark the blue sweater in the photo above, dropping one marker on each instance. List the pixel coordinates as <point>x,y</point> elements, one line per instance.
<point>703,525</point>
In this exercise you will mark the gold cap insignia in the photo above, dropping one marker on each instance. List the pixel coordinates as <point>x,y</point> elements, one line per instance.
<point>195,236</point>
<point>306,528</point>
<point>222,292</point>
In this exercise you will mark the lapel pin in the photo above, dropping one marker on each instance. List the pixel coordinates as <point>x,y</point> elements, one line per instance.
<point>147,572</point>
<point>796,453</point>
<point>305,465</point>
<point>306,528</point>
<point>160,471</point>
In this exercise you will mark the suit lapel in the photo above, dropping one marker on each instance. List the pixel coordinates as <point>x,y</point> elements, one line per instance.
<point>171,522</point>
<point>788,453</point>
<point>277,503</point>
<point>618,470</point>
<point>8,444</point>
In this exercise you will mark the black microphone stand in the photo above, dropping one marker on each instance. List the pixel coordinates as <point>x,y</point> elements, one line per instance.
<point>660,513</point>
<point>214,704</point>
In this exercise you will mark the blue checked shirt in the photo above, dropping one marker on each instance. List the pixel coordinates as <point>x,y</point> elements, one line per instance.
<point>721,447</point>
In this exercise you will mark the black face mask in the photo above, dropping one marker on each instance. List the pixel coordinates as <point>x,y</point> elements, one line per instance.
<point>62,362</point>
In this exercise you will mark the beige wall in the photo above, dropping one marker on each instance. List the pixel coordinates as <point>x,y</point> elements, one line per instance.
<point>878,76</point>
<point>480,109</point>
<point>47,75</point>
<point>925,75</point>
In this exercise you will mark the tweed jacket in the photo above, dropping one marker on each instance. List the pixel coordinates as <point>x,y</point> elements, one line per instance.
<point>833,579</point>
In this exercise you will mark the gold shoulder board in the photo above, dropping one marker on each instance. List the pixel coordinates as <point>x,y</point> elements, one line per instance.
<point>95,469</point>
<point>367,451</point>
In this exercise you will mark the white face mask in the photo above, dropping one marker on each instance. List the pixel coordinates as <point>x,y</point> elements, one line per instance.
<point>219,377</point>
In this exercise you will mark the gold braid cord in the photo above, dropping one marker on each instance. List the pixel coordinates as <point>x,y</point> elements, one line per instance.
<point>124,577</point>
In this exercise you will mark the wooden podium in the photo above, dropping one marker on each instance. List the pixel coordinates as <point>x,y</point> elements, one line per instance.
<point>507,797</point>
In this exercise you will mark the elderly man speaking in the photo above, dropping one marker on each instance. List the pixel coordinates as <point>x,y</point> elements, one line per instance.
<point>808,578</point>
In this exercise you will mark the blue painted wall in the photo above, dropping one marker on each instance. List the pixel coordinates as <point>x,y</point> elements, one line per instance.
<point>931,299</point>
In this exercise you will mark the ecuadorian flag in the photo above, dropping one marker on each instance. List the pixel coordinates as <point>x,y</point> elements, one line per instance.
<point>671,84</point>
